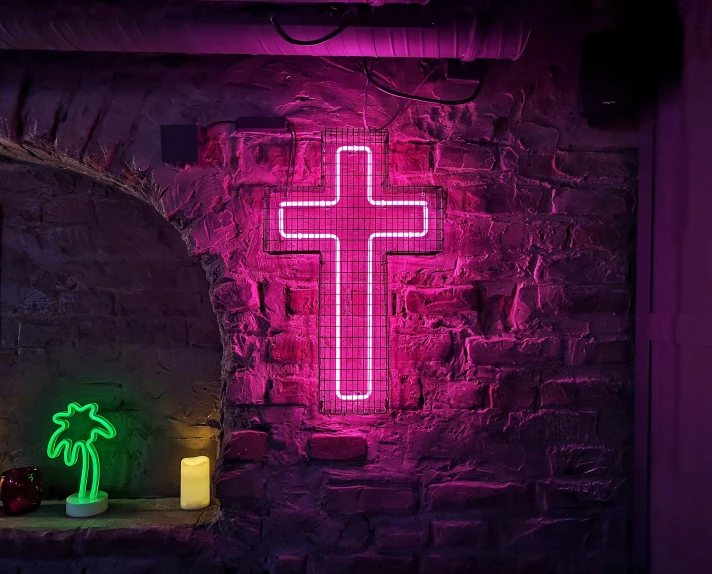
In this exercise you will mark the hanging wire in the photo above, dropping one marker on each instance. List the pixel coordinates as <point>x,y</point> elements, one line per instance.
<point>368,70</point>
<point>292,161</point>
<point>403,107</point>
<point>287,38</point>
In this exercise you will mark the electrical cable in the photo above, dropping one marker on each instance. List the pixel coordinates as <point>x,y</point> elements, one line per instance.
<point>403,107</point>
<point>287,38</point>
<point>292,162</point>
<point>369,76</point>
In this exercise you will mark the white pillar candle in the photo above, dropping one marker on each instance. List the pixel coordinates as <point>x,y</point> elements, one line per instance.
<point>194,482</point>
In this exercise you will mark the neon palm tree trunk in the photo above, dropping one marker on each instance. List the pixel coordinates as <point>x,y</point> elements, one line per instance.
<point>95,470</point>
<point>89,455</point>
<point>85,472</point>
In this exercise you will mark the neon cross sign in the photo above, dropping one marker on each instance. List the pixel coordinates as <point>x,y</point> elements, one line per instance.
<point>354,220</point>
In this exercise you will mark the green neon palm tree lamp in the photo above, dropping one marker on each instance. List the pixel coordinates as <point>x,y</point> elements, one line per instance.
<point>89,501</point>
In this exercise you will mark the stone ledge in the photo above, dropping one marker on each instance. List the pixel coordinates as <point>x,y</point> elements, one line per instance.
<point>123,514</point>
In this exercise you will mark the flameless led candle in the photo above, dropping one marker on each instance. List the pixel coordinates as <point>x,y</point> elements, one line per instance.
<point>194,482</point>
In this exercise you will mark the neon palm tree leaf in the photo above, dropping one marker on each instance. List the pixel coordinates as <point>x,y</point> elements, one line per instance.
<point>71,450</point>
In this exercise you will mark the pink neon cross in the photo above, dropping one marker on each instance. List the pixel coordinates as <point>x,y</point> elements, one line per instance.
<point>354,222</point>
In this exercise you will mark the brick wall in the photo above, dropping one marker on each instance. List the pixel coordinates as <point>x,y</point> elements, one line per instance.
<point>101,302</point>
<point>507,446</point>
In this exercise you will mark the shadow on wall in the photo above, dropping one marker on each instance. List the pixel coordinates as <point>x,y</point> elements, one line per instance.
<point>101,303</point>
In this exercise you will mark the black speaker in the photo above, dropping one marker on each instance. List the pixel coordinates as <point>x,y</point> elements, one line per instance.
<point>607,76</point>
<point>179,144</point>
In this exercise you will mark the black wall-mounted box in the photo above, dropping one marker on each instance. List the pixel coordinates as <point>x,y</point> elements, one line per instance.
<point>179,144</point>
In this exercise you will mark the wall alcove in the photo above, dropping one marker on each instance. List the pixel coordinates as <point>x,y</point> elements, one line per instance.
<point>101,302</point>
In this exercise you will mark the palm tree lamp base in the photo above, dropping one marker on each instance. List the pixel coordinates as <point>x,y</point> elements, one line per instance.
<point>85,506</point>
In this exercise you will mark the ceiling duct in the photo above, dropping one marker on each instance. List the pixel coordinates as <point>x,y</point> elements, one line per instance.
<point>389,32</point>
<point>370,2</point>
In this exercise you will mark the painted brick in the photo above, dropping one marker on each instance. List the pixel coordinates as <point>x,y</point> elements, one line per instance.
<point>246,445</point>
<point>554,426</point>
<point>583,352</point>
<point>378,499</point>
<point>441,301</point>
<point>461,495</point>
<point>410,158</point>
<point>514,352</point>
<point>288,348</point>
<point>366,564</point>
<point>302,301</point>
<point>580,461</point>
<point>290,564</point>
<point>246,485</point>
<point>292,391</point>
<point>418,349</point>
<point>236,296</point>
<point>465,533</point>
<point>580,395</point>
<point>337,447</point>
<point>394,536</point>
<point>462,158</point>
<point>564,498</point>
<point>458,395</point>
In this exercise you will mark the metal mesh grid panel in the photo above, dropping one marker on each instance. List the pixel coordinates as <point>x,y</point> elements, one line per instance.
<point>354,220</point>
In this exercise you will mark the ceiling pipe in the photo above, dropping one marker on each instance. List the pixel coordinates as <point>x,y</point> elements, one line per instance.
<point>490,34</point>
<point>370,2</point>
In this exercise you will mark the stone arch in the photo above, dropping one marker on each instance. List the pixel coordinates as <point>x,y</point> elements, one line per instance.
<point>42,156</point>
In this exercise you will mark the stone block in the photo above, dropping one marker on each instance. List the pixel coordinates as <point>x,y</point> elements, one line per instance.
<point>367,564</point>
<point>461,157</point>
<point>246,445</point>
<point>289,348</point>
<point>235,296</point>
<point>302,301</point>
<point>413,350</point>
<point>495,306</point>
<point>43,333</point>
<point>553,536</point>
<point>164,332</point>
<point>514,352</point>
<point>452,564</point>
<point>460,533</point>
<point>64,212</point>
<point>583,268</point>
<point>581,395</point>
<point>86,303</point>
<point>512,396</point>
<point>126,565</point>
<point>245,485</point>
<point>467,495</point>
<point>178,304</point>
<point>292,391</point>
<point>358,499</point>
<point>405,392</point>
<point>204,333</point>
<point>337,447</point>
<point>608,234</point>
<point>392,536</point>
<point>598,166</point>
<point>593,200</point>
<point>576,497</point>
<point>411,158</point>
<point>554,426</point>
<point>290,564</point>
<point>246,389</point>
<point>583,352</point>
<point>441,301</point>
<point>584,461</point>
<point>457,395</point>
<point>536,138</point>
